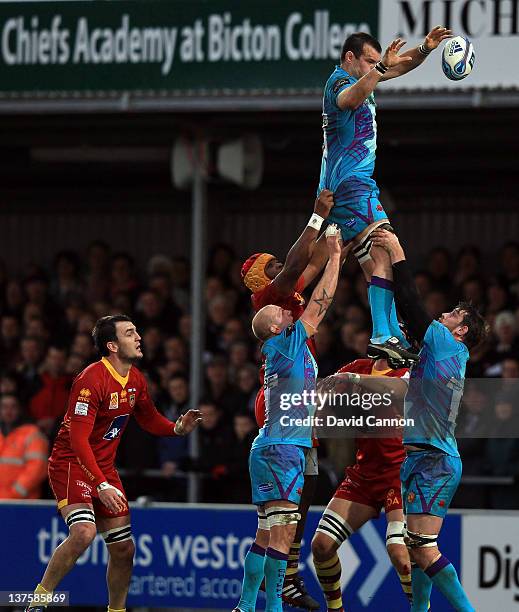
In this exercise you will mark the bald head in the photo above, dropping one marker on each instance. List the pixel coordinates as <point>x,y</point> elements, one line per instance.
<point>264,320</point>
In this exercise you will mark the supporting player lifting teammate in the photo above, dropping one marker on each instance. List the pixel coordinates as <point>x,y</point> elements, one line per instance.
<point>277,459</point>
<point>431,471</point>
<point>348,163</point>
<point>82,473</point>
<point>272,282</point>
<point>371,484</point>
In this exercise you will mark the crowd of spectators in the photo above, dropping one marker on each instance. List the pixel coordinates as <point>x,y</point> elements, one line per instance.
<point>47,316</point>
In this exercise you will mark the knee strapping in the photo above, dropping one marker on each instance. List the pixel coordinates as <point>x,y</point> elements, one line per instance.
<point>395,533</point>
<point>278,515</point>
<point>81,515</point>
<point>117,534</point>
<point>334,526</point>
<point>420,540</point>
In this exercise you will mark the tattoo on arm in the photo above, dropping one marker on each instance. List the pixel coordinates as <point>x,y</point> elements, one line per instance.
<point>323,302</point>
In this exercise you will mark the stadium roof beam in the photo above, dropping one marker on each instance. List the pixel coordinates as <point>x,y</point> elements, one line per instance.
<point>271,101</point>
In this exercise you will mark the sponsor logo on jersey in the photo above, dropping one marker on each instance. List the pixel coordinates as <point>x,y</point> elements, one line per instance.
<point>132,400</point>
<point>340,83</point>
<point>392,498</point>
<point>270,381</point>
<point>81,409</point>
<point>115,428</point>
<point>84,485</point>
<point>265,487</point>
<point>114,401</point>
<point>350,222</point>
<point>84,395</point>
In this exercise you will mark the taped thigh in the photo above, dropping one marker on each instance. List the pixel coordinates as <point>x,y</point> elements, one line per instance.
<point>363,248</point>
<point>395,533</point>
<point>421,540</point>
<point>117,534</point>
<point>279,515</point>
<point>262,520</point>
<point>81,515</point>
<point>334,526</point>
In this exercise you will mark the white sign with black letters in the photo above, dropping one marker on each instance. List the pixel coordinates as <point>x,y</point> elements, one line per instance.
<point>492,26</point>
<point>490,561</point>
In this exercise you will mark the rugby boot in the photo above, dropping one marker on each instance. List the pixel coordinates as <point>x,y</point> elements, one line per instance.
<point>295,594</point>
<point>392,350</point>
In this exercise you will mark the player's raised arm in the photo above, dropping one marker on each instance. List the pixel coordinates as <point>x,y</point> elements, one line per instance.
<point>418,54</point>
<point>323,294</point>
<point>299,255</point>
<point>319,259</point>
<point>352,97</point>
<point>408,302</point>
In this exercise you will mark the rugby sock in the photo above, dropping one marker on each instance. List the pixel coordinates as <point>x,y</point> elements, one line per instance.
<point>39,590</point>
<point>252,577</point>
<point>293,560</point>
<point>380,296</point>
<point>422,586</point>
<point>395,328</point>
<point>329,575</point>
<point>405,583</point>
<point>275,568</point>
<point>445,579</point>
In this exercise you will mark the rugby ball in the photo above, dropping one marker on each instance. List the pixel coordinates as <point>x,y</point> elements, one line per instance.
<point>458,58</point>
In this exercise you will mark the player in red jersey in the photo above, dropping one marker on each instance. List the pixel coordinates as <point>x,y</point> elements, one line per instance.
<point>82,472</point>
<point>371,484</point>
<point>272,282</point>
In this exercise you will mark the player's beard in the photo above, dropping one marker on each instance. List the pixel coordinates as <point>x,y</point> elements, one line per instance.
<point>126,358</point>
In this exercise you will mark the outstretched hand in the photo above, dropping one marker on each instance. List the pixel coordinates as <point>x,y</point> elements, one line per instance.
<point>187,422</point>
<point>391,57</point>
<point>437,35</point>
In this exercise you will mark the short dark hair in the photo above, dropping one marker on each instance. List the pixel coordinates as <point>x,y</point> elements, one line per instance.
<point>355,43</point>
<point>104,332</point>
<point>477,326</point>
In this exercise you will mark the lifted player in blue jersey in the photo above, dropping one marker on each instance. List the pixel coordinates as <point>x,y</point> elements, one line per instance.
<point>431,471</point>
<point>277,458</point>
<point>350,134</point>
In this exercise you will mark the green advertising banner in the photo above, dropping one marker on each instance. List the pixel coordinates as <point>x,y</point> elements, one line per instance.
<point>174,47</point>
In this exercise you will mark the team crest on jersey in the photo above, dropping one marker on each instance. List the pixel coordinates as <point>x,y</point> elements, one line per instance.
<point>116,426</point>
<point>114,401</point>
<point>132,400</point>
<point>411,497</point>
<point>123,397</point>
